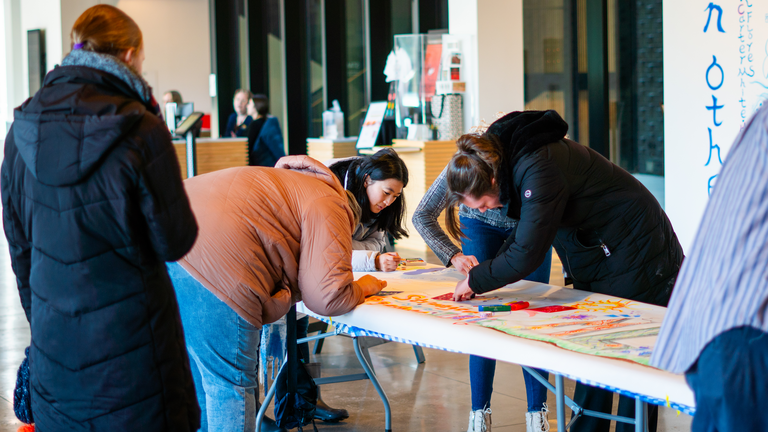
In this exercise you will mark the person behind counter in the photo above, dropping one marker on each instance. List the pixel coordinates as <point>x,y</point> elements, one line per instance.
<point>613,239</point>
<point>265,140</point>
<point>483,235</point>
<point>238,121</point>
<point>90,220</point>
<point>172,96</point>
<point>269,237</point>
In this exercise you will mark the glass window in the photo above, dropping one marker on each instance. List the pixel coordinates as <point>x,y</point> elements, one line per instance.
<point>639,86</point>
<point>555,61</point>
<point>356,102</point>
<point>402,17</point>
<point>275,49</point>
<point>316,67</point>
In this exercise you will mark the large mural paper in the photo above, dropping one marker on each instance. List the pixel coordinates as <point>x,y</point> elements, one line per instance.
<point>575,320</point>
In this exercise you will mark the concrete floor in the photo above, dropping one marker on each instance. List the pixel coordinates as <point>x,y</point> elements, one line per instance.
<point>434,396</point>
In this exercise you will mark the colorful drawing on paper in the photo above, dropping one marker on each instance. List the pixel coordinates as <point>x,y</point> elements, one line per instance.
<point>575,320</point>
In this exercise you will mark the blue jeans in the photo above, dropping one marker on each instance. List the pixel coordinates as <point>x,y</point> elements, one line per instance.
<point>223,354</point>
<point>728,381</point>
<point>484,241</point>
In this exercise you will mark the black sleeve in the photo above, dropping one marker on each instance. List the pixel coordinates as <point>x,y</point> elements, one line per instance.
<point>18,245</point>
<point>231,120</point>
<point>540,216</point>
<point>253,133</point>
<point>254,145</point>
<point>164,203</point>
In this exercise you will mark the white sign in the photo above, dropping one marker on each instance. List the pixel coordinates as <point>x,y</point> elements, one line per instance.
<point>371,125</point>
<point>212,85</point>
<point>715,78</point>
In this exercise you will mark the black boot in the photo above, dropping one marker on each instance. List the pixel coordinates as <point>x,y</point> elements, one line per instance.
<point>323,411</point>
<point>269,425</point>
<point>328,414</point>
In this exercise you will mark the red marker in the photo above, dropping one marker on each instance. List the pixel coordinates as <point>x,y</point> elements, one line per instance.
<point>518,305</point>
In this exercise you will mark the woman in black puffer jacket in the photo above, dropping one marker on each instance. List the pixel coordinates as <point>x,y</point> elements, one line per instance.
<point>610,233</point>
<point>93,206</point>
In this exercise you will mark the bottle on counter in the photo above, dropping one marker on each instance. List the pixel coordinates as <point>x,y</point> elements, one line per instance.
<point>333,122</point>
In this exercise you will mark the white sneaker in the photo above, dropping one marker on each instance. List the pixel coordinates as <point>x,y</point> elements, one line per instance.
<point>480,421</point>
<point>536,421</point>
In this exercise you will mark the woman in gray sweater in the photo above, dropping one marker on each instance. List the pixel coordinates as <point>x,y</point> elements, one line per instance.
<point>485,233</point>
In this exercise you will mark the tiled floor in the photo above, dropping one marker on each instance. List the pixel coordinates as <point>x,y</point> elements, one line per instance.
<point>433,396</point>
<point>14,337</point>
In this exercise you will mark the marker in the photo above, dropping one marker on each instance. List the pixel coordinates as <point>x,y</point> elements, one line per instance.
<point>518,305</point>
<point>495,308</point>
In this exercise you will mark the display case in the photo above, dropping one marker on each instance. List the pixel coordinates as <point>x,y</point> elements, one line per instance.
<point>409,54</point>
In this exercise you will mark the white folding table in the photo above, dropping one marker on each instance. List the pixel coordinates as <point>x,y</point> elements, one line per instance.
<point>643,383</point>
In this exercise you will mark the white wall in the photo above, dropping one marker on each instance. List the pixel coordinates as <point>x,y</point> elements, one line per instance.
<point>11,85</point>
<point>177,41</point>
<point>40,14</point>
<point>3,72</point>
<point>176,36</point>
<point>688,54</point>
<point>494,54</point>
<point>70,11</point>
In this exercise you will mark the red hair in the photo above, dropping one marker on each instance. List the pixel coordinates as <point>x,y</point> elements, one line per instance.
<point>106,29</point>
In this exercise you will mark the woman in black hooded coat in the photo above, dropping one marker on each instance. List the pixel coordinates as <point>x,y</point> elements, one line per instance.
<point>610,232</point>
<point>93,206</point>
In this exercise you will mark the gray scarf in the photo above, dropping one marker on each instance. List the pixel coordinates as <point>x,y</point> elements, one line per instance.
<point>112,65</point>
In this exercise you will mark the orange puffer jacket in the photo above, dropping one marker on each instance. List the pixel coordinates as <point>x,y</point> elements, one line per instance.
<point>270,237</point>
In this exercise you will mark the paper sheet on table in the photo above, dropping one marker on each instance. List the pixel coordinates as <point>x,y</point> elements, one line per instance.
<point>583,322</point>
<point>599,340</point>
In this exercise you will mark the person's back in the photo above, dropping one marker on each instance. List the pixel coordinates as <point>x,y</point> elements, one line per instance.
<point>269,237</point>
<point>265,142</point>
<point>604,237</point>
<point>262,230</point>
<point>93,205</point>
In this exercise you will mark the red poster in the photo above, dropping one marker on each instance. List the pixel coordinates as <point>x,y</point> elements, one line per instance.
<point>431,69</point>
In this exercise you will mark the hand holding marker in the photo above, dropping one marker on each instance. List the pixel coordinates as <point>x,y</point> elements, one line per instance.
<point>388,261</point>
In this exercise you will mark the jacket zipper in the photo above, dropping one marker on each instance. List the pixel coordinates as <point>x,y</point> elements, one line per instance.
<point>605,249</point>
<point>602,246</point>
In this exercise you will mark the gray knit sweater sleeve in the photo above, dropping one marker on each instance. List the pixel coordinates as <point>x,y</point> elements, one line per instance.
<point>425,220</point>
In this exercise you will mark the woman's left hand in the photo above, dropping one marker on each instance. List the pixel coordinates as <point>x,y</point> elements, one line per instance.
<point>463,291</point>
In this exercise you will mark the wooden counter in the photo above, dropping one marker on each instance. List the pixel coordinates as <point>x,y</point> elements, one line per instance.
<point>214,154</point>
<point>325,149</point>
<point>425,161</point>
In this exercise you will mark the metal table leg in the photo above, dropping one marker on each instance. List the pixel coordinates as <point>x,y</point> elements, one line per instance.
<point>367,367</point>
<point>268,398</point>
<point>640,415</point>
<point>560,401</point>
<point>419,354</point>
